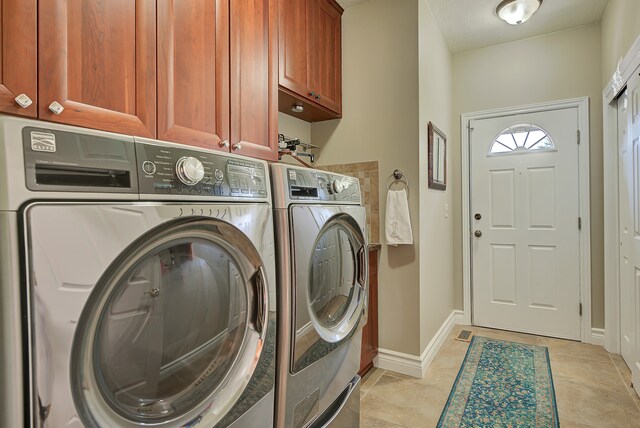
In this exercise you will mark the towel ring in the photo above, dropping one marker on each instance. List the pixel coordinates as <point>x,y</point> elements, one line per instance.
<point>398,176</point>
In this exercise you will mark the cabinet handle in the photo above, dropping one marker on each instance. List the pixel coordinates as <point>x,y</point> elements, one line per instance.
<point>56,107</point>
<point>224,143</point>
<point>23,100</point>
<point>237,147</point>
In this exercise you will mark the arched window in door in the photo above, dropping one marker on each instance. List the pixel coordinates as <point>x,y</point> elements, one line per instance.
<point>520,138</point>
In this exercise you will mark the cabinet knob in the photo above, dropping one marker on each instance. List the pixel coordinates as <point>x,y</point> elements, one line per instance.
<point>237,147</point>
<point>23,100</point>
<point>312,94</point>
<point>317,96</point>
<point>224,143</point>
<point>56,107</point>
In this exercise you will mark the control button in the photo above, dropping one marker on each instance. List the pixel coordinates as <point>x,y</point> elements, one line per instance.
<point>337,186</point>
<point>189,170</point>
<point>218,174</point>
<point>149,167</point>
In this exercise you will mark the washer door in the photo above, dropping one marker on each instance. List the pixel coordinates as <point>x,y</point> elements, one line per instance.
<point>331,279</point>
<point>174,327</point>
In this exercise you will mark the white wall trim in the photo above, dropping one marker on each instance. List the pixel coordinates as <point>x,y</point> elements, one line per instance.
<point>626,67</point>
<point>582,105</point>
<point>413,365</point>
<point>597,336</point>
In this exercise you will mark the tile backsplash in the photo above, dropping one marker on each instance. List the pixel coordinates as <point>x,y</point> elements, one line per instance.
<point>368,175</point>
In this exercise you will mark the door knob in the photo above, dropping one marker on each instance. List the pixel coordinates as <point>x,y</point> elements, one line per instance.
<point>477,233</point>
<point>478,216</point>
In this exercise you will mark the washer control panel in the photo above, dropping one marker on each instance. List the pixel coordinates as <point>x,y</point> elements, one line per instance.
<point>309,184</point>
<point>176,171</point>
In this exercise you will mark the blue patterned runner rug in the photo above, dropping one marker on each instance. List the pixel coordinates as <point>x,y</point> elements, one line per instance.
<point>502,384</point>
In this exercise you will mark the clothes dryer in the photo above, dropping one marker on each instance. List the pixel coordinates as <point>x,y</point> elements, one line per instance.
<point>323,290</point>
<point>138,282</point>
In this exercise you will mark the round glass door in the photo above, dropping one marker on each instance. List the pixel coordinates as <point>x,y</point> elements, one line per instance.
<point>175,321</point>
<point>337,278</point>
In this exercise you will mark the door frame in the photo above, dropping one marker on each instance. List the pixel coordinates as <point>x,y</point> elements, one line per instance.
<point>627,65</point>
<point>582,106</point>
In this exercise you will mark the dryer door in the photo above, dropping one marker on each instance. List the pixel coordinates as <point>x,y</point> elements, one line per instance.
<point>173,328</point>
<point>331,264</point>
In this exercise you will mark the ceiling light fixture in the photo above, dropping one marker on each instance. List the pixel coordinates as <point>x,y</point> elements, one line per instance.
<point>517,12</point>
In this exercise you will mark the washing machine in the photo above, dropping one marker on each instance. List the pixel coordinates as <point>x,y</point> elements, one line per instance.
<point>137,282</point>
<point>323,290</point>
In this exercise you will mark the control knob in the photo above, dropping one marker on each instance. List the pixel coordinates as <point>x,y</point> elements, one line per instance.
<point>189,170</point>
<point>338,186</point>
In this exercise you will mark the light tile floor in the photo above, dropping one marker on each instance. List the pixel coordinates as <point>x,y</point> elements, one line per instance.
<point>592,386</point>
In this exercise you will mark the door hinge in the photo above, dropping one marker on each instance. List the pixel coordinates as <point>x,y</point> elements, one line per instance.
<point>580,310</point>
<point>579,223</point>
<point>578,136</point>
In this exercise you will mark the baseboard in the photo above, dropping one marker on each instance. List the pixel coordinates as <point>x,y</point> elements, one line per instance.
<point>597,336</point>
<point>413,365</point>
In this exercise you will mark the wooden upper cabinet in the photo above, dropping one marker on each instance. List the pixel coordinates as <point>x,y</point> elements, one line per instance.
<point>292,27</point>
<point>193,72</point>
<point>310,66</point>
<point>97,60</point>
<point>325,53</point>
<point>18,56</point>
<point>254,78</point>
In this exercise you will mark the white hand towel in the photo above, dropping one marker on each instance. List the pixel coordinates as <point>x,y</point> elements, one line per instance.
<point>397,221</point>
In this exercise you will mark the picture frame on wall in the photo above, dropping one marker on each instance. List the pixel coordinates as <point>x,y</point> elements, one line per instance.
<point>437,153</point>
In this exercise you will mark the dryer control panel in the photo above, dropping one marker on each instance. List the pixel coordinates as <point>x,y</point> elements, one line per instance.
<point>314,185</point>
<point>166,169</point>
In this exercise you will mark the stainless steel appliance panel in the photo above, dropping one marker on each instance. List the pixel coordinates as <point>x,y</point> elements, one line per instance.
<point>344,412</point>
<point>11,358</point>
<point>331,279</point>
<point>71,249</point>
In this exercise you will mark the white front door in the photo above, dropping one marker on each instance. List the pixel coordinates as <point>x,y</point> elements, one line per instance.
<point>629,193</point>
<point>525,222</point>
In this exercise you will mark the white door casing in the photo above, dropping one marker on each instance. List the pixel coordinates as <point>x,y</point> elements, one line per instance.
<point>526,264</point>
<point>625,171</point>
<point>629,223</point>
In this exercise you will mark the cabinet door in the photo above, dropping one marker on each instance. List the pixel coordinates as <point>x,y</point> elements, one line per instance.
<point>369,349</point>
<point>193,72</point>
<point>325,53</point>
<point>97,60</point>
<point>18,56</point>
<point>254,78</point>
<point>292,41</point>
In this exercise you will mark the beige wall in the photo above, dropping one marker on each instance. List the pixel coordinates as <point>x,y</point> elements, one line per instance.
<point>620,28</point>
<point>436,231</point>
<point>380,122</point>
<point>294,127</point>
<point>561,65</point>
<point>396,77</point>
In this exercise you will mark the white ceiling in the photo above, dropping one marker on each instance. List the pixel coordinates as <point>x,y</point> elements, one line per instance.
<point>473,24</point>
<point>348,3</point>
